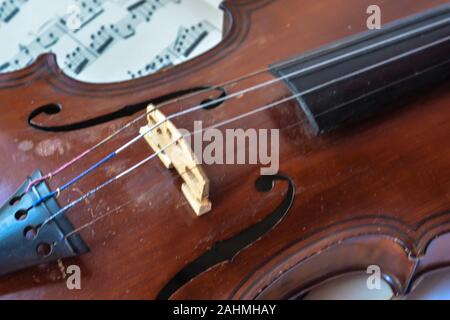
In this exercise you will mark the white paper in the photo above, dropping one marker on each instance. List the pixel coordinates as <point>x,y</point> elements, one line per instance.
<point>107,40</point>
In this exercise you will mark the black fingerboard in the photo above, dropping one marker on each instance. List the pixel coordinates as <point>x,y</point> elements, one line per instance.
<point>371,72</point>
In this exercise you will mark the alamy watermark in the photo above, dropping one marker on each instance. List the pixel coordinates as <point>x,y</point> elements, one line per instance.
<point>374,19</point>
<point>236,146</point>
<point>72,274</point>
<point>373,281</point>
<point>73,20</point>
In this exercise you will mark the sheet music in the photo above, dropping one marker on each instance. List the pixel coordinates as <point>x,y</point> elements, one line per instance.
<point>107,40</point>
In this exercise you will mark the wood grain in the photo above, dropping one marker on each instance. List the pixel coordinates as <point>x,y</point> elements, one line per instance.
<point>375,193</point>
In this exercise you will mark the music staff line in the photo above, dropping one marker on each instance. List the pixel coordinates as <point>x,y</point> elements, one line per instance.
<point>187,40</point>
<point>9,9</point>
<point>83,55</point>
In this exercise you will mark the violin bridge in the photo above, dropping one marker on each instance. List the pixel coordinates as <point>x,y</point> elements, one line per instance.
<point>175,153</point>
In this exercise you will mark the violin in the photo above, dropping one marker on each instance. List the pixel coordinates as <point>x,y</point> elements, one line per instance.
<point>101,179</point>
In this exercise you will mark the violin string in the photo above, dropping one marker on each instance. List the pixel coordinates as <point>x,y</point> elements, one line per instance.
<point>227,121</point>
<point>220,100</point>
<point>195,108</point>
<point>161,150</point>
<point>147,191</point>
<point>105,140</point>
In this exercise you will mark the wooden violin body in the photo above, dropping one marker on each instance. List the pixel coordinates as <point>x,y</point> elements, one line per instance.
<point>374,193</point>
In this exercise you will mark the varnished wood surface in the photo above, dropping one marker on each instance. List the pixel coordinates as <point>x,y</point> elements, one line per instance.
<point>376,193</point>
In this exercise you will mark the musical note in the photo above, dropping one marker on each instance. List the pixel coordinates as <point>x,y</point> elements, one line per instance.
<point>105,37</point>
<point>23,58</point>
<point>49,36</point>
<point>187,40</point>
<point>140,11</point>
<point>28,53</point>
<point>77,50</point>
<point>165,59</point>
<point>78,60</point>
<point>101,40</point>
<point>9,9</point>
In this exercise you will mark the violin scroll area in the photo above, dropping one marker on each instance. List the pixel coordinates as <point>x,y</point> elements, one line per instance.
<point>23,243</point>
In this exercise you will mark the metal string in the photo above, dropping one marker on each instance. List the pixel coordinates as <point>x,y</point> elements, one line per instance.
<point>161,150</point>
<point>195,108</point>
<point>210,103</point>
<point>222,123</point>
<point>118,208</point>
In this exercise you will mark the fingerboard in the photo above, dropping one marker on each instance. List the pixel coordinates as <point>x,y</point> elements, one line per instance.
<point>370,73</point>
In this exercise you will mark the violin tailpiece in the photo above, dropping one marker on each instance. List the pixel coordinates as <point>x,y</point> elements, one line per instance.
<point>22,243</point>
<point>175,153</point>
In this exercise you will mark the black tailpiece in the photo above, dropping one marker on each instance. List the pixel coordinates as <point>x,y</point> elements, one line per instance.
<point>21,243</point>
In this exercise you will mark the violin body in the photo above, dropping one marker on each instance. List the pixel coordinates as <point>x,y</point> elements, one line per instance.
<point>373,193</point>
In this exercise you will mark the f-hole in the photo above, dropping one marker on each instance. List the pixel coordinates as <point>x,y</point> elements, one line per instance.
<point>53,109</point>
<point>225,250</point>
<point>209,105</point>
<point>48,109</point>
